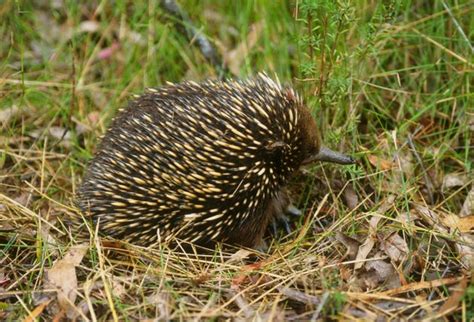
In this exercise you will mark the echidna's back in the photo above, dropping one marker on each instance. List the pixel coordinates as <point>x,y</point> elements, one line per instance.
<point>194,160</point>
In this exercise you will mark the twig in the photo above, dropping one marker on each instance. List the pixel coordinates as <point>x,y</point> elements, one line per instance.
<point>185,26</point>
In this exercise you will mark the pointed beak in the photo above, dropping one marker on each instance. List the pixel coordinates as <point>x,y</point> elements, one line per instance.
<point>328,155</point>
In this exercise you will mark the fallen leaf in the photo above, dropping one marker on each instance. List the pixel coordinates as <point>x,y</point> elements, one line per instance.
<point>468,205</point>
<point>8,113</point>
<point>350,197</point>
<point>33,315</point>
<point>380,272</point>
<point>62,277</point>
<point>363,252</point>
<point>380,163</point>
<point>239,255</point>
<point>453,180</point>
<point>369,242</point>
<point>462,224</point>
<point>395,247</point>
<point>351,244</point>
<point>466,250</point>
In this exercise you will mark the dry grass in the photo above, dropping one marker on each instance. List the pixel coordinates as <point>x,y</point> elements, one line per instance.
<point>391,238</point>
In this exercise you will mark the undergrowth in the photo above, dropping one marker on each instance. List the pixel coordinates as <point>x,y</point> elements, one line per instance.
<point>388,82</point>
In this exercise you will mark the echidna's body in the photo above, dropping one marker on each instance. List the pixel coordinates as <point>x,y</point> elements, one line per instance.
<point>200,162</point>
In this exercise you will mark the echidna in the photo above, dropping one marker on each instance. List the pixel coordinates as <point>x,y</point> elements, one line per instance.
<point>202,162</point>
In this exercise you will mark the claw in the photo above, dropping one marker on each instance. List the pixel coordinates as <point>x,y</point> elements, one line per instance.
<point>285,222</point>
<point>279,208</point>
<point>280,221</point>
<point>292,210</point>
<point>274,226</point>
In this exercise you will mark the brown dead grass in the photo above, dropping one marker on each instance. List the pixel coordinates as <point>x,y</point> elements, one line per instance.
<point>391,239</point>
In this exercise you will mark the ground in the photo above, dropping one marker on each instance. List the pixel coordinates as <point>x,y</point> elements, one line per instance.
<point>390,84</point>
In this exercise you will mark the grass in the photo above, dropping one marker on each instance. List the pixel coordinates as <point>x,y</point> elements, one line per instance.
<point>389,83</point>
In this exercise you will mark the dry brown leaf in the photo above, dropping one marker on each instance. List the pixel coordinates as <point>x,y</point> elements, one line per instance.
<point>350,197</point>
<point>369,243</point>
<point>36,312</point>
<point>364,251</point>
<point>395,247</point>
<point>466,250</point>
<point>8,113</point>
<point>381,272</point>
<point>239,255</point>
<point>351,244</point>
<point>62,277</point>
<point>462,224</point>
<point>380,163</point>
<point>452,180</point>
<point>468,206</point>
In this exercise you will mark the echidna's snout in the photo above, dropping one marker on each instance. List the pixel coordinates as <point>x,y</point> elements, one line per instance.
<point>328,155</point>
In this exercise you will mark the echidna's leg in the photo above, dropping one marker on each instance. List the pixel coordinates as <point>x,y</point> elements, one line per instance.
<point>274,210</point>
<point>282,207</point>
<point>251,232</point>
